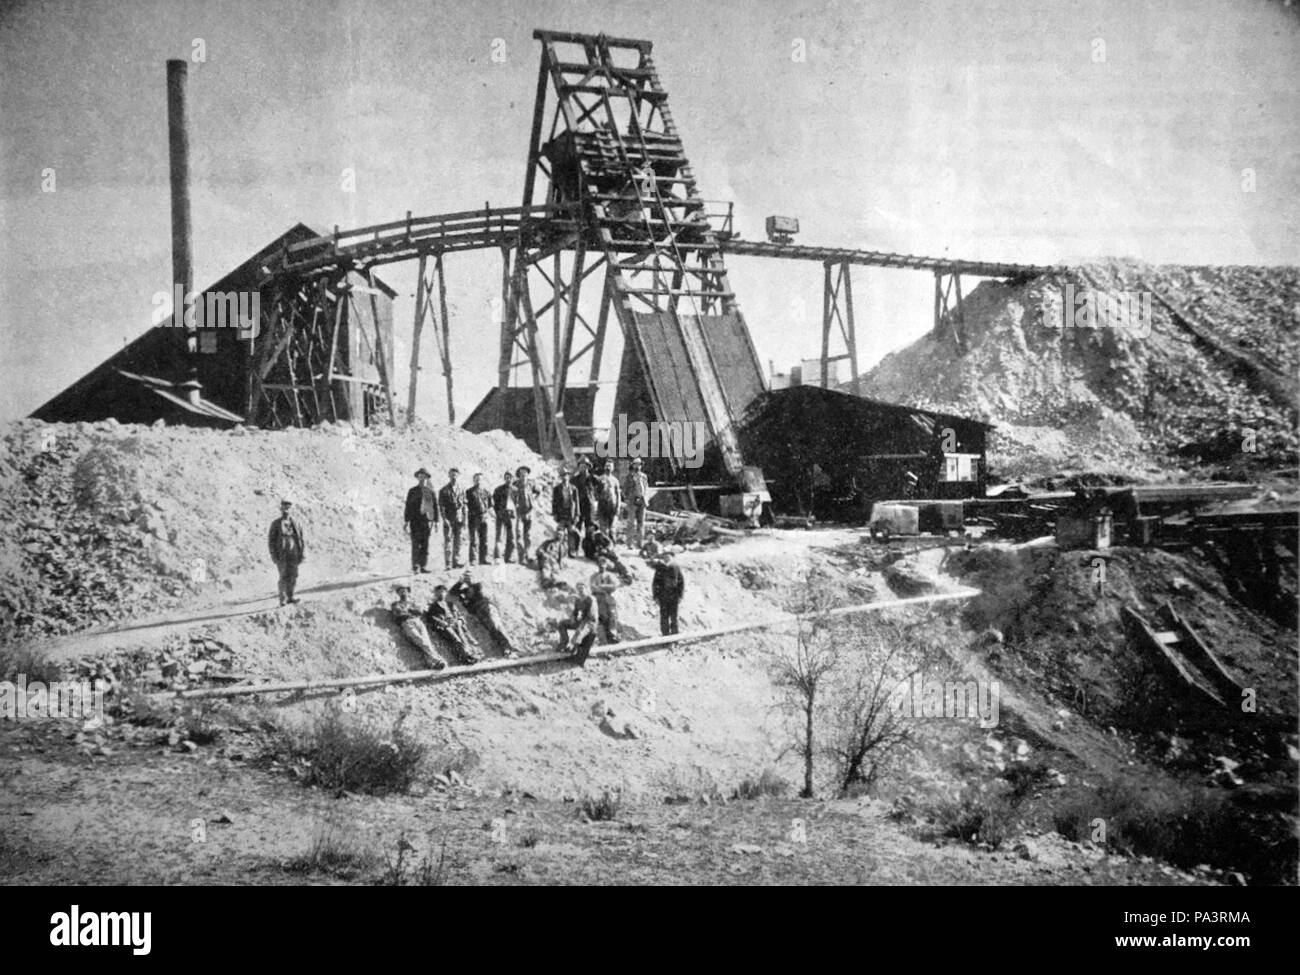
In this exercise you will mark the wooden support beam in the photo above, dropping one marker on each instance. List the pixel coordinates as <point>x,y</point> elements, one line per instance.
<point>646,645</point>
<point>445,347</point>
<point>416,329</point>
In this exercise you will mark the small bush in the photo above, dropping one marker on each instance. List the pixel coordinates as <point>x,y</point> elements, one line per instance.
<point>35,665</point>
<point>198,722</point>
<point>404,870</point>
<point>530,839</point>
<point>767,784</point>
<point>353,756</point>
<point>977,817</point>
<point>332,855</point>
<point>1180,826</point>
<point>600,809</point>
<point>1025,777</point>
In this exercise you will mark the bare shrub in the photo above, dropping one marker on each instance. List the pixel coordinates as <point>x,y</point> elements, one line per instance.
<point>351,755</point>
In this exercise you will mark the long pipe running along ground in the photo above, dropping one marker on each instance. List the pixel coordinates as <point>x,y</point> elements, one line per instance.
<point>518,663</point>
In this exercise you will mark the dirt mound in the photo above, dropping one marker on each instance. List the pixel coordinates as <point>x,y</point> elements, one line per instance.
<point>1060,615</point>
<point>109,521</point>
<point>1209,374</point>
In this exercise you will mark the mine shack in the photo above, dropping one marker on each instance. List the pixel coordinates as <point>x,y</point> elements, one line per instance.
<point>831,454</point>
<point>289,370</point>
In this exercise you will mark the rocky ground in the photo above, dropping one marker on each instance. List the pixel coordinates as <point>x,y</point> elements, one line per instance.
<point>1209,389</point>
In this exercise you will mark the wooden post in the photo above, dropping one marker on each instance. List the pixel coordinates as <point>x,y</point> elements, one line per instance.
<point>446,339</point>
<point>416,329</point>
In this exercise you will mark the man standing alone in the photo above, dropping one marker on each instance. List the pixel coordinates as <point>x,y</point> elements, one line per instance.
<point>503,507</point>
<point>667,589</point>
<point>421,515</point>
<point>287,548</point>
<point>451,502</point>
<point>478,503</point>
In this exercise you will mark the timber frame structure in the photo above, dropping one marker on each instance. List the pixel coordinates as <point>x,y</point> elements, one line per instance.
<point>608,194</point>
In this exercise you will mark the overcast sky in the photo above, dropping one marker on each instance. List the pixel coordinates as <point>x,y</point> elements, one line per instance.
<point>1014,131</point>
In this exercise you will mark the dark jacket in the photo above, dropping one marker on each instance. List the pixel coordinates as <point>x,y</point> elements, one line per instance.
<point>414,511</point>
<point>584,609</point>
<point>471,596</point>
<point>478,502</point>
<point>503,500</point>
<point>285,541</point>
<point>443,615</point>
<point>451,502</point>
<point>588,491</point>
<point>564,502</point>
<point>669,584</point>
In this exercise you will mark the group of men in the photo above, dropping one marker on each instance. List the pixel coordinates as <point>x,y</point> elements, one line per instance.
<point>442,618</point>
<point>585,507</point>
<point>463,513</point>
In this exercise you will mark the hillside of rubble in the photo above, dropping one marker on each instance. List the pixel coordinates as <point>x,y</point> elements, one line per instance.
<point>1209,389</point>
<point>108,522</point>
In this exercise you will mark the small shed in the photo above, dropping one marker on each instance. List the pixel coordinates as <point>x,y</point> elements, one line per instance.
<point>832,454</point>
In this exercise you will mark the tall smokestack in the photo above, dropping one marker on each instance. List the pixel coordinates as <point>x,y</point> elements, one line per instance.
<point>178,143</point>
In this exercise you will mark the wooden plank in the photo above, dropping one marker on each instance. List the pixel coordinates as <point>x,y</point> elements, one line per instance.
<point>646,645</point>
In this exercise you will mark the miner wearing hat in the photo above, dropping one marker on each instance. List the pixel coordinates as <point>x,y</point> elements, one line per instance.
<point>636,490</point>
<point>588,490</point>
<point>287,548</point>
<point>420,517</point>
<point>479,603</point>
<point>564,509</point>
<point>503,509</point>
<point>451,505</point>
<point>407,617</point>
<point>446,620</point>
<point>609,499</point>
<point>525,498</point>
<point>604,584</point>
<point>478,506</point>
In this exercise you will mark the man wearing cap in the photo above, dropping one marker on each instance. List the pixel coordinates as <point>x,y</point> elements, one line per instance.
<point>588,490</point>
<point>407,617</point>
<point>610,496</point>
<point>451,505</point>
<point>483,607</point>
<point>667,589</point>
<point>287,548</point>
<point>478,505</point>
<point>420,517</point>
<point>525,498</point>
<point>603,586</point>
<point>445,620</point>
<point>503,507</point>
<point>564,509</point>
<point>636,489</point>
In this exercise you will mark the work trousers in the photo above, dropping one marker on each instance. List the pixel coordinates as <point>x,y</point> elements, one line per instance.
<point>478,535</point>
